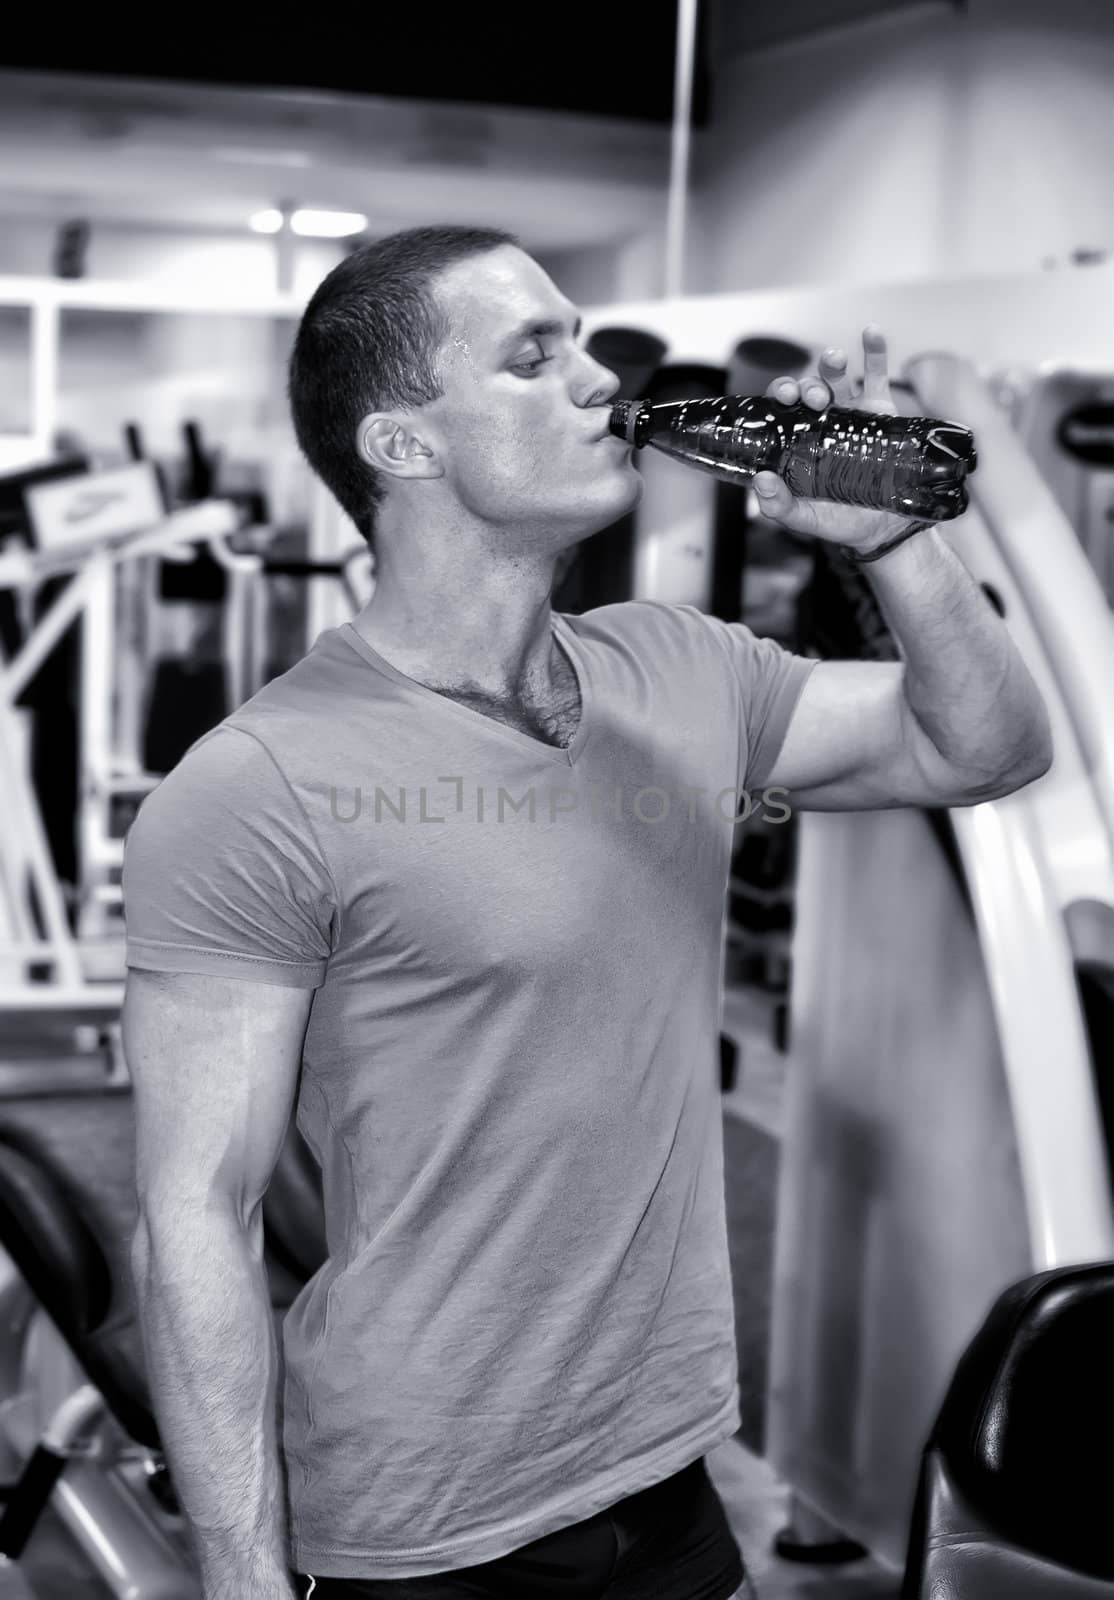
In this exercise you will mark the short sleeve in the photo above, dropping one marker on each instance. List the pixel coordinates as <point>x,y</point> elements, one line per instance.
<point>222,873</point>
<point>770,680</point>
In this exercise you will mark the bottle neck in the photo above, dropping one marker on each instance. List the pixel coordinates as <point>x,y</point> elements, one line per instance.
<point>628,420</point>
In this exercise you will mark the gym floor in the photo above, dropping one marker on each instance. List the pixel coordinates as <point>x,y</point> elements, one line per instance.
<point>755,1500</point>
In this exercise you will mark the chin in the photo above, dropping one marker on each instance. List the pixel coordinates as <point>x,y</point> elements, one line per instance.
<point>610,502</point>
<point>624,496</point>
<point>631,489</point>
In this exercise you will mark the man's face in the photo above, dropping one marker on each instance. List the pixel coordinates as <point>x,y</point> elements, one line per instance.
<point>521,423</point>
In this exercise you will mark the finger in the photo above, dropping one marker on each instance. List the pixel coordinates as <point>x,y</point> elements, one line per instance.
<point>777,503</point>
<point>833,370</point>
<point>876,378</point>
<point>785,390</point>
<point>773,496</point>
<point>816,394</point>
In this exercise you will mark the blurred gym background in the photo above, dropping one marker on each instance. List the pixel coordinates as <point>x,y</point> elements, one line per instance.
<point>724,187</point>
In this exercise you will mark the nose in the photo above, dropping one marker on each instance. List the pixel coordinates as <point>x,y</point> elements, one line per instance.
<point>597,384</point>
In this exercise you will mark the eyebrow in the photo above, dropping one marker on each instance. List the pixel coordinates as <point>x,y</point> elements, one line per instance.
<point>534,330</point>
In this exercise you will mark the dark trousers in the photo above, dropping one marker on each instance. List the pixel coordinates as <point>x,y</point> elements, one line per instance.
<point>669,1542</point>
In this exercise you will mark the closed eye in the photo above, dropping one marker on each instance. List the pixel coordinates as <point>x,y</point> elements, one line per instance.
<point>531,366</point>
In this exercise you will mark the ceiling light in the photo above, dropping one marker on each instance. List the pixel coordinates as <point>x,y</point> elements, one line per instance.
<point>266,222</point>
<point>328,224</point>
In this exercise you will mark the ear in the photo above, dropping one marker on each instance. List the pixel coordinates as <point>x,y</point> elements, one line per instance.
<point>393,446</point>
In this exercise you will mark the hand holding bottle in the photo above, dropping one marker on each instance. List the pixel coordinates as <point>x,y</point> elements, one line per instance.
<point>852,527</point>
<point>861,476</point>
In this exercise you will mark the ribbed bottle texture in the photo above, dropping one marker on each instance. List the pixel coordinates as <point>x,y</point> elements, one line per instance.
<point>917,466</point>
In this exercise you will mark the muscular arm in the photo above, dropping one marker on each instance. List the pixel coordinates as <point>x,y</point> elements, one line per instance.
<point>215,1067</point>
<point>957,721</point>
<point>960,720</point>
<point>965,683</point>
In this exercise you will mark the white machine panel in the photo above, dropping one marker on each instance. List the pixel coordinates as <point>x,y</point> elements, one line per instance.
<point>95,507</point>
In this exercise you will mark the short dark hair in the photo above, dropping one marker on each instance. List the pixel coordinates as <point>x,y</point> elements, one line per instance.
<point>368,340</point>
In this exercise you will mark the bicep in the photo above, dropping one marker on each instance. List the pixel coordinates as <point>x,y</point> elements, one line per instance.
<point>214,1064</point>
<point>853,744</point>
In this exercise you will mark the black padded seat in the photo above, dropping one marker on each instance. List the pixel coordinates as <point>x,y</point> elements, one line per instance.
<point>1016,1496</point>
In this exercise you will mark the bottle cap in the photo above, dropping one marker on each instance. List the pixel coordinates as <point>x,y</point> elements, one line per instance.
<point>623,422</point>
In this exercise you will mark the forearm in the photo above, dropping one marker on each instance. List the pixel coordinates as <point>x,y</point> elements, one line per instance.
<point>211,1357</point>
<point>965,682</point>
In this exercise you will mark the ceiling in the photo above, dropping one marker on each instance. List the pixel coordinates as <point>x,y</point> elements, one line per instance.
<point>598,60</point>
<point>746,27</point>
<point>204,157</point>
<point>557,127</point>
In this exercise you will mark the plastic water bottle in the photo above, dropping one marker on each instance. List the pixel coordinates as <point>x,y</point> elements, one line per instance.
<point>917,466</point>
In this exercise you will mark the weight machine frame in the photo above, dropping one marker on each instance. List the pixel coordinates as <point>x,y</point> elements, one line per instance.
<point>35,928</point>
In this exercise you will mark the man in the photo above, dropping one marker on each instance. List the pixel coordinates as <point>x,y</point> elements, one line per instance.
<point>455,883</point>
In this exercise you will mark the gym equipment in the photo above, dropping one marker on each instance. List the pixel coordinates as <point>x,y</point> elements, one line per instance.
<point>137,451</point>
<point>632,354</point>
<point>123,522</point>
<point>73,1403</point>
<point>674,522</point>
<point>738,550</point>
<point>757,572</point>
<point>1067,421</point>
<point>43,965</point>
<point>952,997</point>
<point>186,699</point>
<point>75,1406</point>
<point>51,751</point>
<point>200,466</point>
<point>194,682</point>
<point>247,647</point>
<point>14,487</point>
<point>1009,1504</point>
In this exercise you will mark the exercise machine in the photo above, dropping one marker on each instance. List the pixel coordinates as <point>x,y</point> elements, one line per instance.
<point>77,1429</point>
<point>43,939</point>
<point>1066,418</point>
<point>1011,1501</point>
<point>76,1415</point>
<point>949,1110</point>
<point>83,528</point>
<point>58,1006</point>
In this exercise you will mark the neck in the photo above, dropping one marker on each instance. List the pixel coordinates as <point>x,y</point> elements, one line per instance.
<point>461,616</point>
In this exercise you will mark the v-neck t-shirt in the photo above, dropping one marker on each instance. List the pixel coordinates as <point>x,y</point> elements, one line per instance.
<point>510,1075</point>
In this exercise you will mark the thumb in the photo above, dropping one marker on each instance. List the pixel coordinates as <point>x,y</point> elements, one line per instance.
<point>774,498</point>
